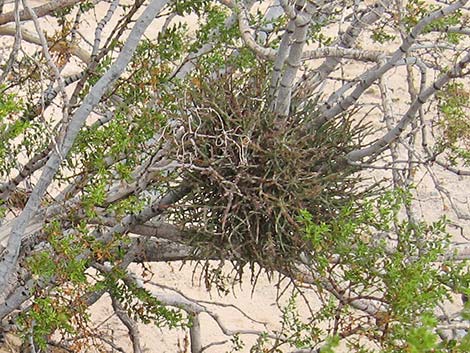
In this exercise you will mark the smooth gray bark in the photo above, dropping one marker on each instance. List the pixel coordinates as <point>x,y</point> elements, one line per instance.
<point>394,133</point>
<point>40,11</point>
<point>293,60</point>
<point>195,334</point>
<point>347,40</point>
<point>374,74</point>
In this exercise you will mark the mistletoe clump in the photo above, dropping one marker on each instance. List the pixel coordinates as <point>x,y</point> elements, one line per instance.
<point>251,172</point>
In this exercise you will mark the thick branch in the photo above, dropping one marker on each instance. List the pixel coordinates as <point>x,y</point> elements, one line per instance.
<point>347,40</point>
<point>293,60</point>
<point>195,334</point>
<point>394,133</point>
<point>130,324</point>
<point>40,11</point>
<point>374,74</point>
<point>75,50</point>
<point>246,32</point>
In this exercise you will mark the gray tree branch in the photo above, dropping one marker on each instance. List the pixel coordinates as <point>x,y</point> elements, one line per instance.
<point>10,255</point>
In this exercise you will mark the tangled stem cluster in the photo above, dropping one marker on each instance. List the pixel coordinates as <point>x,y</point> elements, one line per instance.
<point>251,174</point>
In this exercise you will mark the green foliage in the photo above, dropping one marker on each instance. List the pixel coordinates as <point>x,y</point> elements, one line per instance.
<point>139,303</point>
<point>421,339</point>
<point>61,310</point>
<point>297,333</point>
<point>381,36</point>
<point>182,7</point>
<point>227,47</point>
<point>330,343</point>
<point>213,22</point>
<point>130,205</point>
<point>453,107</point>
<point>237,344</point>
<point>10,127</point>
<point>316,36</point>
<point>86,6</point>
<point>416,10</point>
<point>353,226</point>
<point>412,280</point>
<point>46,316</point>
<point>9,104</point>
<point>171,42</point>
<point>103,65</point>
<point>223,41</point>
<point>261,345</point>
<point>408,280</point>
<point>453,99</point>
<point>94,195</point>
<point>42,264</point>
<point>441,25</point>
